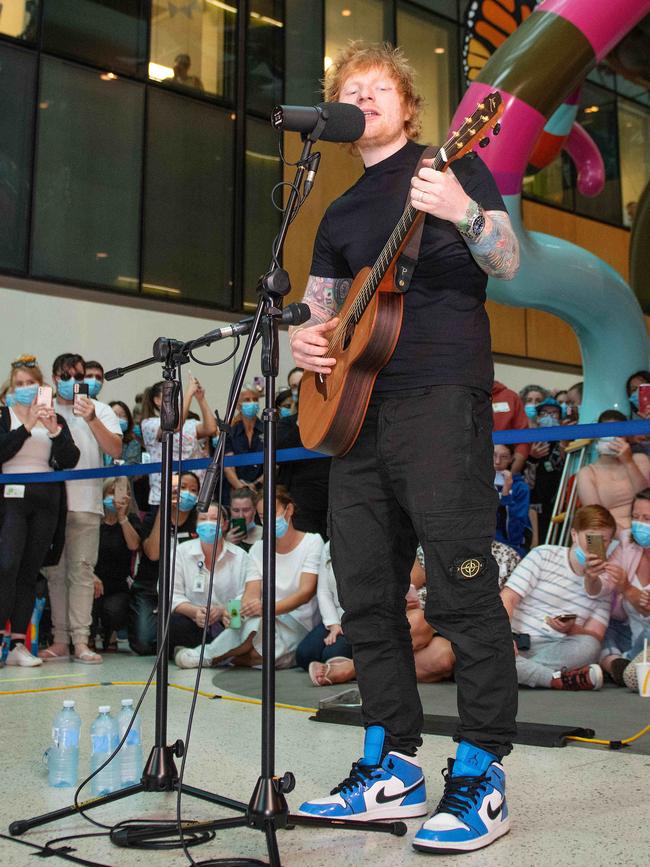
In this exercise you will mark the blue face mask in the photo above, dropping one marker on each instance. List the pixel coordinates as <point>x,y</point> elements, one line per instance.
<point>250,526</point>
<point>531,410</point>
<point>581,557</point>
<point>187,501</point>
<point>250,409</point>
<point>214,441</point>
<point>281,526</point>
<point>641,533</point>
<point>10,400</point>
<point>137,430</point>
<point>547,421</point>
<point>563,407</point>
<point>94,386</point>
<point>25,394</point>
<point>109,505</point>
<point>634,398</point>
<point>124,425</point>
<point>65,388</point>
<point>285,411</point>
<point>207,531</point>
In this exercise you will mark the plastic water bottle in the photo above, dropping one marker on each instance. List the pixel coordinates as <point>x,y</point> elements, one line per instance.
<point>131,752</point>
<point>63,756</point>
<point>104,737</point>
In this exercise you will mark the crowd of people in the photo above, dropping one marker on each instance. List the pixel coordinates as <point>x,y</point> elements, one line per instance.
<point>579,614</point>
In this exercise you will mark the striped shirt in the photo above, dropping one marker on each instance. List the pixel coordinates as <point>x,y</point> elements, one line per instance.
<point>549,586</point>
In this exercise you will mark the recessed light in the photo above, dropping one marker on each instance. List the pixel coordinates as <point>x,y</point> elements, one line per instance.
<point>346,13</point>
<point>438,50</point>
<point>108,76</point>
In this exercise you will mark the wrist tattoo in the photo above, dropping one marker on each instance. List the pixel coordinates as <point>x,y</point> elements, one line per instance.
<point>496,250</point>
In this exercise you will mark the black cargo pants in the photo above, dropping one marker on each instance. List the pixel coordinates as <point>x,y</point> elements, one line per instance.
<point>422,470</point>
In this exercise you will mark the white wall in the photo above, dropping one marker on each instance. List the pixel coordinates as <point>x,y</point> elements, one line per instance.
<point>46,320</point>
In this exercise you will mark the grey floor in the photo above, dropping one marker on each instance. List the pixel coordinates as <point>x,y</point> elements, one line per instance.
<point>572,806</point>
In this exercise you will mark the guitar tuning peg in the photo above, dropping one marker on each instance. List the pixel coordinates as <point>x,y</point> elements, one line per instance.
<point>497,128</point>
<point>484,142</point>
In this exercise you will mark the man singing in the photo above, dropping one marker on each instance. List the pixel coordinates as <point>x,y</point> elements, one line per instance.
<point>421,468</point>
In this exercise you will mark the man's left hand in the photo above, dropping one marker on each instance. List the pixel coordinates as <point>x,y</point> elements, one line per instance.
<point>439,194</point>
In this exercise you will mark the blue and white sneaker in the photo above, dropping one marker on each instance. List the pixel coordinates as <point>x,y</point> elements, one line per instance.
<point>390,789</point>
<point>472,813</point>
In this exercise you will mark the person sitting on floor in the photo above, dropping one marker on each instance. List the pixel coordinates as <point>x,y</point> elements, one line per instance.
<point>558,626</point>
<point>143,597</point>
<point>298,558</point>
<point>632,588</point>
<point>232,568</point>
<point>326,642</point>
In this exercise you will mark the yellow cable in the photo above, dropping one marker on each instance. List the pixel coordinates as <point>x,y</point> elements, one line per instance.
<point>610,742</point>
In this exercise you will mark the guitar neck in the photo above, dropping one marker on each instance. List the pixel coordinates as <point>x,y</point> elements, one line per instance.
<point>392,245</point>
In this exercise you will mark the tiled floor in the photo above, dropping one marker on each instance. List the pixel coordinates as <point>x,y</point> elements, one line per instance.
<point>571,806</point>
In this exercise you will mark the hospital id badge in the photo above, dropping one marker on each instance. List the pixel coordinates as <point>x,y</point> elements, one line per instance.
<point>199,583</point>
<point>16,492</point>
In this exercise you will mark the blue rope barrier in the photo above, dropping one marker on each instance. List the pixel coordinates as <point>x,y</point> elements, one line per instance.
<point>506,437</point>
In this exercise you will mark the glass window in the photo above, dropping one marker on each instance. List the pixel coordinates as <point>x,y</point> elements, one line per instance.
<point>86,222</point>
<point>598,116</point>
<point>262,219</point>
<point>111,35</point>
<point>431,47</point>
<point>17,77</point>
<point>264,55</point>
<point>444,7</point>
<point>19,18</point>
<point>188,209</point>
<point>193,45</point>
<point>634,147</point>
<point>369,20</point>
<point>554,184</point>
<point>304,52</point>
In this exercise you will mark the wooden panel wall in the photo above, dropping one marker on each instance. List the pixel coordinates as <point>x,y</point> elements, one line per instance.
<point>524,333</point>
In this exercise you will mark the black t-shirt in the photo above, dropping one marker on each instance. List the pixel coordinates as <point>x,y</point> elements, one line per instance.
<point>147,576</point>
<point>237,444</point>
<point>445,336</point>
<point>114,558</point>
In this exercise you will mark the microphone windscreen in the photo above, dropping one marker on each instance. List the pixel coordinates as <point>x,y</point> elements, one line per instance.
<point>345,123</point>
<point>296,314</point>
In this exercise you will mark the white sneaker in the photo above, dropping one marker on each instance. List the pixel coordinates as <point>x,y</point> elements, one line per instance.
<point>21,656</point>
<point>188,657</point>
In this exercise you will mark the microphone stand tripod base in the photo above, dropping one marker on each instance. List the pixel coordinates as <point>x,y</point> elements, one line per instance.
<point>160,773</point>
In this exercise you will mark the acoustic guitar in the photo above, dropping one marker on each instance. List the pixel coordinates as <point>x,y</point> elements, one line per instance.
<point>333,406</point>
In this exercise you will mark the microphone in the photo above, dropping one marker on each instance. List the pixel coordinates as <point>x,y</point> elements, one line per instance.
<point>293,314</point>
<point>337,121</point>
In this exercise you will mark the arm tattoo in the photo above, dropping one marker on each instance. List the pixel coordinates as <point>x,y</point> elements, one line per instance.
<point>496,250</point>
<point>325,296</point>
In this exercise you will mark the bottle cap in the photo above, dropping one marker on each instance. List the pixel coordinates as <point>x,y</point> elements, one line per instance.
<point>104,708</point>
<point>68,703</point>
<point>127,702</point>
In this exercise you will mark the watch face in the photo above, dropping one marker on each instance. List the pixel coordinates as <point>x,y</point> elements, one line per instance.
<point>478,224</point>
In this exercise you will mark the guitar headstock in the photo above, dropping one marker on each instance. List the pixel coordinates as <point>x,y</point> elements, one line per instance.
<point>474,129</point>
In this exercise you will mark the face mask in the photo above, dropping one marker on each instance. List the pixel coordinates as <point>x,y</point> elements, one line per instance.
<point>531,410</point>
<point>250,526</point>
<point>634,398</point>
<point>294,393</point>
<point>94,387</point>
<point>214,441</point>
<point>124,425</point>
<point>25,394</point>
<point>641,533</point>
<point>563,407</point>
<point>281,526</point>
<point>65,388</point>
<point>250,410</point>
<point>137,430</point>
<point>109,505</point>
<point>10,400</point>
<point>547,421</point>
<point>187,501</point>
<point>285,411</point>
<point>581,557</point>
<point>603,447</point>
<point>207,531</point>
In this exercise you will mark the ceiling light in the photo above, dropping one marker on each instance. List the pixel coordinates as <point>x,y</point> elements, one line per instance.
<point>158,72</point>
<point>438,50</point>
<point>108,76</point>
<point>592,109</point>
<point>346,13</point>
<point>327,62</point>
<point>101,255</point>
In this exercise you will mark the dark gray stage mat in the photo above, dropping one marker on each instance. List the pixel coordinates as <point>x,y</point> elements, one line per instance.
<point>613,713</point>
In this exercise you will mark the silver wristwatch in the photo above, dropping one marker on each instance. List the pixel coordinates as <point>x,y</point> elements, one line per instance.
<point>473,222</point>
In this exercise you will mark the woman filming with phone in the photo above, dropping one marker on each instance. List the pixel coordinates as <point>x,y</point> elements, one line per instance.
<point>558,610</point>
<point>33,439</point>
<point>615,477</point>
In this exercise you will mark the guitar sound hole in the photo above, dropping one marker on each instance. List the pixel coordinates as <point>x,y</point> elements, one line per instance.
<point>349,333</point>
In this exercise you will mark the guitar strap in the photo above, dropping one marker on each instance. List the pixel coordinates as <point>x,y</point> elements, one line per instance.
<point>405,265</point>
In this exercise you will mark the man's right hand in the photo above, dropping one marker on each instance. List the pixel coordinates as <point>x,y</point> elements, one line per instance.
<point>309,346</point>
